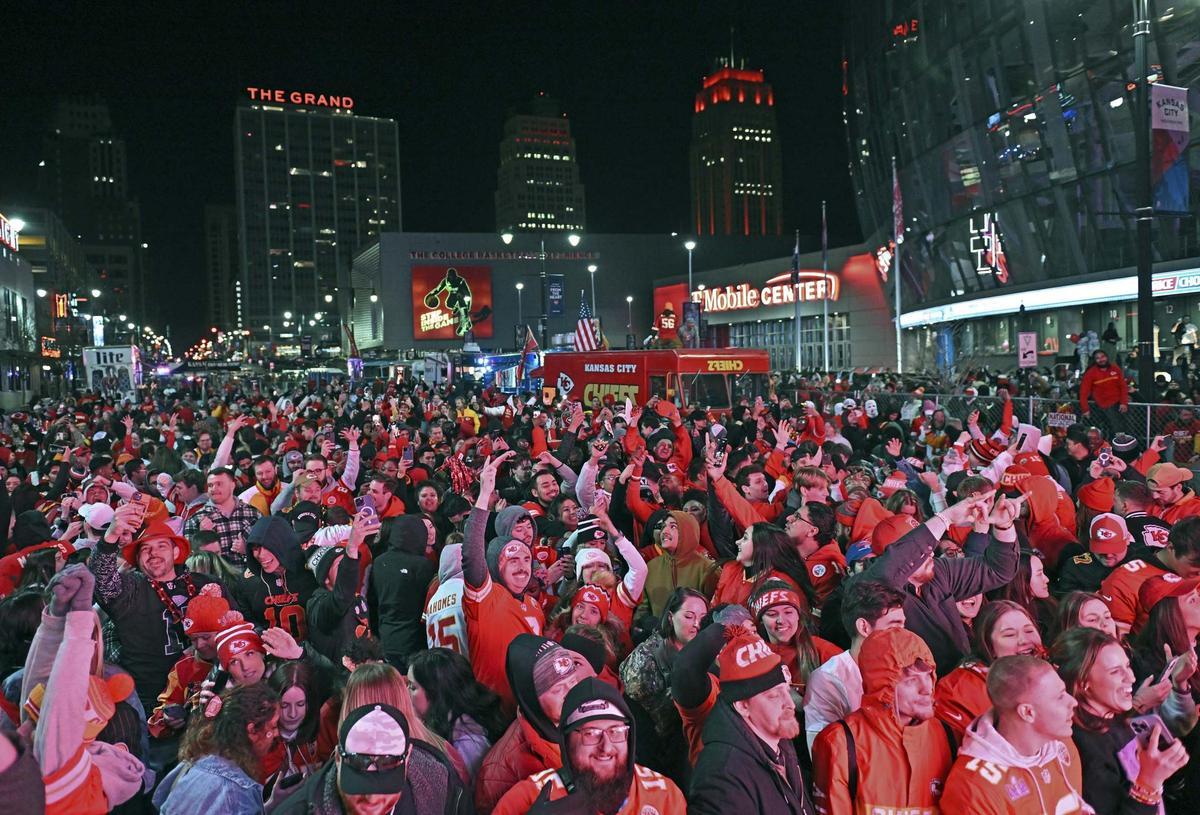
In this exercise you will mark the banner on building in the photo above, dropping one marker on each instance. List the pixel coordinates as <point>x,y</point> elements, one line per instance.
<point>1170,131</point>
<point>450,301</point>
<point>554,295</point>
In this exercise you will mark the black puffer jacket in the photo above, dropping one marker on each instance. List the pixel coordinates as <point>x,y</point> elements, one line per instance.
<point>734,774</point>
<point>396,589</point>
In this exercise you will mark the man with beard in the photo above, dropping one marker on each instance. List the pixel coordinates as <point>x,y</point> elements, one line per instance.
<point>598,773</point>
<point>748,763</point>
<point>266,485</point>
<point>1105,385</point>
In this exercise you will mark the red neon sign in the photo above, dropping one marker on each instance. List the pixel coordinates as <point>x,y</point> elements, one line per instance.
<point>320,100</point>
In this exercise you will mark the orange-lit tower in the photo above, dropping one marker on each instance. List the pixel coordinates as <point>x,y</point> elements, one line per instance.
<point>736,169</point>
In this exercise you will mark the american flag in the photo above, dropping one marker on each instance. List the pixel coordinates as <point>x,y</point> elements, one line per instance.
<point>587,337</point>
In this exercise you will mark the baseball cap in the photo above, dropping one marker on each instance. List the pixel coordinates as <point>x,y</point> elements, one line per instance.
<point>1164,586</point>
<point>97,516</point>
<point>1108,534</point>
<point>890,530</point>
<point>373,745</point>
<point>1166,474</point>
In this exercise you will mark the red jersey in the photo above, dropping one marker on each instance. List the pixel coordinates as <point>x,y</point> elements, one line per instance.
<point>1120,591</point>
<point>339,496</point>
<point>989,788</point>
<point>649,792</point>
<point>494,619</point>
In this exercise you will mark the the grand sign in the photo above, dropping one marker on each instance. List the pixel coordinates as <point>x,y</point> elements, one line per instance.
<point>778,291</point>
<point>321,100</point>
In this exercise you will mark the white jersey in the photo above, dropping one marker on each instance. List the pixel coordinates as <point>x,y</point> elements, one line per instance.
<point>445,625</point>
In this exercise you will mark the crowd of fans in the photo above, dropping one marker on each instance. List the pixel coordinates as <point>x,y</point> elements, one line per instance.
<point>388,597</point>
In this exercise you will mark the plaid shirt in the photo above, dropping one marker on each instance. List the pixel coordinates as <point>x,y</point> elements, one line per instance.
<point>228,527</point>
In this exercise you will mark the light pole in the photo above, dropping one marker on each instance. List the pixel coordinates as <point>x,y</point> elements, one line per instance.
<point>592,273</point>
<point>689,246</point>
<point>1144,202</point>
<point>520,310</point>
<point>629,306</point>
<point>544,319</point>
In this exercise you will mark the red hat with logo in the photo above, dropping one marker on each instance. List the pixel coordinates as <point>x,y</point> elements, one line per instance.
<point>1164,586</point>
<point>748,665</point>
<point>1013,476</point>
<point>890,530</point>
<point>237,637</point>
<point>1032,462</point>
<point>986,450</point>
<point>596,595</point>
<point>205,610</point>
<point>774,593</point>
<point>1108,534</point>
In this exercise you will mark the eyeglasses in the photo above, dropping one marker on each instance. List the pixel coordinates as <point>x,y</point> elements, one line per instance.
<point>367,762</point>
<point>590,736</point>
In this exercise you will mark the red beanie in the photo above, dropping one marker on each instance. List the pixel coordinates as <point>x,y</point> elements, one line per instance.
<point>1032,462</point>
<point>1098,495</point>
<point>596,595</point>
<point>985,450</point>
<point>205,610</point>
<point>748,665</point>
<point>237,637</point>
<point>775,593</point>
<point>1013,476</point>
<point>890,530</point>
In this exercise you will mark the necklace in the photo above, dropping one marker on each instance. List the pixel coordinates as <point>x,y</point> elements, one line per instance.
<point>174,610</point>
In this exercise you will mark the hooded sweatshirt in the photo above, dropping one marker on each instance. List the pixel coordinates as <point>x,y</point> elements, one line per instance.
<point>445,623</point>
<point>1046,532</point>
<point>990,776</point>
<point>686,566</point>
<point>530,745</point>
<point>396,590</point>
<point>648,791</point>
<point>869,516</point>
<point>29,529</point>
<point>908,763</point>
<point>275,600</point>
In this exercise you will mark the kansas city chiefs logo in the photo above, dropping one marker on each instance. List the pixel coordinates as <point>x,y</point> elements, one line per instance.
<point>565,383</point>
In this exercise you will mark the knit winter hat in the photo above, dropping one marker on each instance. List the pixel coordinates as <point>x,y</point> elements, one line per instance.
<point>553,664</point>
<point>595,595</point>
<point>986,450</point>
<point>748,665</point>
<point>773,593</point>
<point>890,530</point>
<point>1032,463</point>
<point>204,611</point>
<point>237,637</point>
<point>588,556</point>
<point>1013,477</point>
<point>1098,495</point>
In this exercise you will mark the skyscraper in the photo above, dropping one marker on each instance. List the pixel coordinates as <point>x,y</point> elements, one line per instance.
<point>221,265</point>
<point>537,185</point>
<point>85,182</point>
<point>736,169</point>
<point>315,183</point>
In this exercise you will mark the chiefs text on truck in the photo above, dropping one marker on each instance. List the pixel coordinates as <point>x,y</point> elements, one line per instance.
<point>710,378</point>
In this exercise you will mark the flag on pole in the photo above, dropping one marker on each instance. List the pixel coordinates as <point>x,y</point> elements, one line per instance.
<point>897,206</point>
<point>796,261</point>
<point>529,360</point>
<point>587,336</point>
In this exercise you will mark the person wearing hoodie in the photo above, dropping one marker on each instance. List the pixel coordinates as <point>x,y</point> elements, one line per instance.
<point>748,763</point>
<point>893,733</point>
<point>681,564</point>
<point>541,673</point>
<point>445,623</point>
<point>496,604</point>
<point>396,590</point>
<point>1018,758</point>
<point>337,610</point>
<point>932,586</point>
<point>1043,526</point>
<point>595,734</point>
<point>274,588</point>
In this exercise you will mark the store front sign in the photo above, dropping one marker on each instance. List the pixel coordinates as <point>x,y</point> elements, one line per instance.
<point>300,98</point>
<point>8,233</point>
<point>777,291</point>
<point>1176,282</point>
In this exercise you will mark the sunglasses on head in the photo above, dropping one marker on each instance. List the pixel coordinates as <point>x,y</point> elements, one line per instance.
<point>367,762</point>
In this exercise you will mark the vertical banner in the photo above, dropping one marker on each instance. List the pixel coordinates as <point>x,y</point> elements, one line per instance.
<point>450,301</point>
<point>1170,131</point>
<point>1027,343</point>
<point>554,295</point>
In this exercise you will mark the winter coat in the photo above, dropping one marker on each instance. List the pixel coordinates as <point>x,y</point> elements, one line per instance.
<point>687,566</point>
<point>735,775</point>
<point>396,590</point>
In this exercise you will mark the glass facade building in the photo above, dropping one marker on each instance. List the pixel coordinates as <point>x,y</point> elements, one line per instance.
<point>314,186</point>
<point>1012,127</point>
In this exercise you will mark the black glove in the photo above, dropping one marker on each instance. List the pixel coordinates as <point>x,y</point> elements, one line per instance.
<point>573,804</point>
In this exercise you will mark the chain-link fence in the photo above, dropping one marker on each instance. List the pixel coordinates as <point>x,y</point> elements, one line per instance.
<point>1177,423</point>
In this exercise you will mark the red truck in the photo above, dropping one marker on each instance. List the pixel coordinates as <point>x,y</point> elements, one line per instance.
<point>710,378</point>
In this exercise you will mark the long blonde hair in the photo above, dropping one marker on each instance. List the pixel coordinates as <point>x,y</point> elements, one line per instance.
<point>379,683</point>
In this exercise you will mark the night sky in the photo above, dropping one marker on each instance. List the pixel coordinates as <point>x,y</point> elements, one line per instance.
<point>624,73</point>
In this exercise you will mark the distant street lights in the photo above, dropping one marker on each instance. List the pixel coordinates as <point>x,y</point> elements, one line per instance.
<point>629,306</point>
<point>520,312</point>
<point>690,247</point>
<point>544,320</point>
<point>592,273</point>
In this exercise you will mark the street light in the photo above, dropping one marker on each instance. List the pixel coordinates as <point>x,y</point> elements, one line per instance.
<point>122,318</point>
<point>689,245</point>
<point>592,271</point>
<point>507,237</point>
<point>287,315</point>
<point>573,239</point>
<point>629,305</point>
<point>544,317</point>
<point>329,298</point>
<point>374,296</point>
<point>41,292</point>
<point>95,292</point>
<point>520,318</point>
<point>17,224</point>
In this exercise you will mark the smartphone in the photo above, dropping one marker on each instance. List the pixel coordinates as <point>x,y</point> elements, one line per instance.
<point>407,454</point>
<point>722,437</point>
<point>365,503</point>
<point>220,678</point>
<point>1142,726</point>
<point>1170,667</point>
<point>1105,457</point>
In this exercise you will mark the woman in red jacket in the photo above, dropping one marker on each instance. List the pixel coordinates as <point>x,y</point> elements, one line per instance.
<point>764,552</point>
<point>1002,629</point>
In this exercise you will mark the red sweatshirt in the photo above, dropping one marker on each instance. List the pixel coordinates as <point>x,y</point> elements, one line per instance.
<point>1106,385</point>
